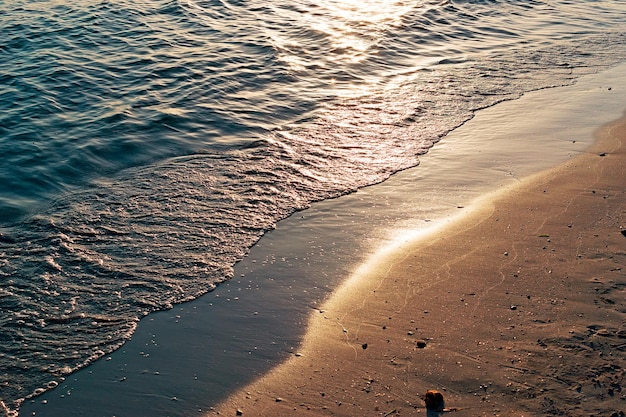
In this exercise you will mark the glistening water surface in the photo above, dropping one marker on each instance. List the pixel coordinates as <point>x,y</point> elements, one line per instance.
<point>148,145</point>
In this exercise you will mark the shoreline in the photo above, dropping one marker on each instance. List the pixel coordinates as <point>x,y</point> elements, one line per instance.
<point>517,308</point>
<point>182,361</point>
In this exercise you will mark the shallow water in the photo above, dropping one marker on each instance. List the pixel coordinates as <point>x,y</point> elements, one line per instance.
<point>148,145</point>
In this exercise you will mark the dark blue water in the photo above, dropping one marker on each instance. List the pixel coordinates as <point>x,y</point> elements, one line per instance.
<point>146,146</point>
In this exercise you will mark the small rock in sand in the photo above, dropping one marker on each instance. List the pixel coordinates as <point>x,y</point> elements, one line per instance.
<point>434,400</point>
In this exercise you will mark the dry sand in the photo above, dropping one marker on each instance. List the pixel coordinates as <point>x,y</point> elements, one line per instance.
<point>516,308</point>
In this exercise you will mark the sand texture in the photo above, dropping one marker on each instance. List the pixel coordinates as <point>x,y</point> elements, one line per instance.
<point>516,308</point>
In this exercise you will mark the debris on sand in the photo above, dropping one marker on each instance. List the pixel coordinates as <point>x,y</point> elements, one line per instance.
<point>434,400</point>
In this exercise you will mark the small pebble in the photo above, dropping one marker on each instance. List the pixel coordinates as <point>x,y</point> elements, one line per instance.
<point>434,400</point>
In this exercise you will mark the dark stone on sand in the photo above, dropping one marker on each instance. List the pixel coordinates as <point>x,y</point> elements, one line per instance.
<point>239,413</point>
<point>434,400</point>
<point>623,232</point>
<point>364,346</point>
<point>602,154</point>
<point>421,344</point>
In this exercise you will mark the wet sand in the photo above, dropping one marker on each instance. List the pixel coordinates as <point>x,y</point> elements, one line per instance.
<point>517,307</point>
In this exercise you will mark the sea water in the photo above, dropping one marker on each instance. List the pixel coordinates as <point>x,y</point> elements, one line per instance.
<point>146,146</point>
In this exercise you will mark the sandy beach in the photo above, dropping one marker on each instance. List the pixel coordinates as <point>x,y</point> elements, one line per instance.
<point>508,305</point>
<point>516,307</point>
<point>312,208</point>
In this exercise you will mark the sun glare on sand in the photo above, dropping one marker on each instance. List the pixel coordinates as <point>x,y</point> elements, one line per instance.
<point>401,242</point>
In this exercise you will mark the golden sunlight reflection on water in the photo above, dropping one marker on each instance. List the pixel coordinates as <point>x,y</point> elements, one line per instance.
<point>352,27</point>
